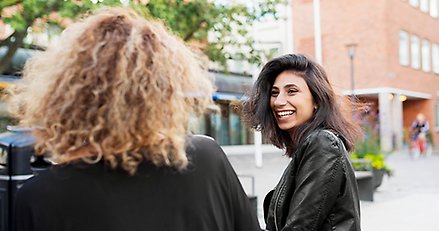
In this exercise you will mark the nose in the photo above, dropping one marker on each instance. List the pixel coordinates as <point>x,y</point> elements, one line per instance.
<point>280,100</point>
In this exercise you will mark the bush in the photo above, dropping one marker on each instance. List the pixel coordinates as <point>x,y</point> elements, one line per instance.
<point>368,155</point>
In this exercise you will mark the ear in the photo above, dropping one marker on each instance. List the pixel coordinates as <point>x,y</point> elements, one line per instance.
<point>315,107</point>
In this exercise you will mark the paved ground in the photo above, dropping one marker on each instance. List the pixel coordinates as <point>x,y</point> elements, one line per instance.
<point>407,201</point>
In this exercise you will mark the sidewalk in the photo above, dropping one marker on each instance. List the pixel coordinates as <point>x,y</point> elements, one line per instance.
<point>407,201</point>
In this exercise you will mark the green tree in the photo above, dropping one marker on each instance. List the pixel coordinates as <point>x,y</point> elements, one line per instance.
<point>225,23</point>
<point>24,14</point>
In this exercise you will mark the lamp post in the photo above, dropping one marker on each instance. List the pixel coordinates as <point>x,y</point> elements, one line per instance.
<point>257,135</point>
<point>351,52</point>
<point>317,32</point>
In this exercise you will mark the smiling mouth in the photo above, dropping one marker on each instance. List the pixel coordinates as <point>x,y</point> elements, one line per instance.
<point>284,113</point>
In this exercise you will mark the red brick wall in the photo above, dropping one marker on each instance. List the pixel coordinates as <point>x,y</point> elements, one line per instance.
<point>375,27</point>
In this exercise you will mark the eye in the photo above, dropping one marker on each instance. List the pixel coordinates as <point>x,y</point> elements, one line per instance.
<point>274,93</point>
<point>292,91</point>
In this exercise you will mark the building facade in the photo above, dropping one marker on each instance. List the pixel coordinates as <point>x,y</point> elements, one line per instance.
<point>385,53</point>
<point>224,124</point>
<point>273,36</point>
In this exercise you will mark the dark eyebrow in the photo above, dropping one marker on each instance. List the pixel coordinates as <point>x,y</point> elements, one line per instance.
<point>286,86</point>
<point>290,85</point>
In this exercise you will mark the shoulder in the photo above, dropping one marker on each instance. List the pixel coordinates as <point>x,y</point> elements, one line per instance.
<point>200,139</point>
<point>323,142</point>
<point>322,137</point>
<point>202,143</point>
<point>58,175</point>
<point>37,185</point>
<point>204,148</point>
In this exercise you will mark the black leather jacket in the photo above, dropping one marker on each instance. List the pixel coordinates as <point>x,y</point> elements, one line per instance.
<point>318,190</point>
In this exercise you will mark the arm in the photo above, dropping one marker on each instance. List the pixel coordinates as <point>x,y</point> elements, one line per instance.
<point>244,216</point>
<point>413,126</point>
<point>239,215</point>
<point>318,181</point>
<point>426,127</point>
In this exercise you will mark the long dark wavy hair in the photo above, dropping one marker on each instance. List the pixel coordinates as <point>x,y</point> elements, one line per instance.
<point>257,113</point>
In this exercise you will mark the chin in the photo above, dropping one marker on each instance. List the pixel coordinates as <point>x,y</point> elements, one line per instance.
<point>286,127</point>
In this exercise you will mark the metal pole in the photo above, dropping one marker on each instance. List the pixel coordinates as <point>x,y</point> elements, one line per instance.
<point>317,32</point>
<point>351,52</point>
<point>257,134</point>
<point>351,56</point>
<point>289,42</point>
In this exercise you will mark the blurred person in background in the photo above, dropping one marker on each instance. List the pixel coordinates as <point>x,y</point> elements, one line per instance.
<point>110,105</point>
<point>295,107</point>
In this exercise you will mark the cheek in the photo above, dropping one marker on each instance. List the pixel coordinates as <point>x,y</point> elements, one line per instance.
<point>311,111</point>
<point>271,102</point>
<point>309,108</point>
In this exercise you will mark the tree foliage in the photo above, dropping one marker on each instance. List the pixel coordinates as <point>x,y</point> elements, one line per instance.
<point>23,15</point>
<point>215,26</point>
<point>220,26</point>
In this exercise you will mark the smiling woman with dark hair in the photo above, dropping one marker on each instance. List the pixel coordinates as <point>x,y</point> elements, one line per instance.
<point>295,107</point>
<point>110,103</point>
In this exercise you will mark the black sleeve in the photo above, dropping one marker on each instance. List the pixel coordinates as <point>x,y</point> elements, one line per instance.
<point>242,215</point>
<point>318,182</point>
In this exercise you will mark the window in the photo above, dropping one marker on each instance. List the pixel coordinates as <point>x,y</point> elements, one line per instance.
<point>415,51</point>
<point>426,56</point>
<point>404,48</point>
<point>424,5</point>
<point>434,8</point>
<point>414,3</point>
<point>435,58</point>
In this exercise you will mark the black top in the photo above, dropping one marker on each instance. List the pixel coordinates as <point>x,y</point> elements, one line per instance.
<point>207,196</point>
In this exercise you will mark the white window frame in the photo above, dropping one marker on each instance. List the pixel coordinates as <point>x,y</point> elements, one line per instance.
<point>415,51</point>
<point>426,55</point>
<point>414,3</point>
<point>404,54</point>
<point>424,5</point>
<point>435,57</point>
<point>434,8</point>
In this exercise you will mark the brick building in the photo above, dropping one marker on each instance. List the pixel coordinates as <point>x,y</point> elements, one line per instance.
<point>395,61</point>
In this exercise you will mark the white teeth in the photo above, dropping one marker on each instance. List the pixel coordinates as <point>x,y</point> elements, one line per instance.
<point>285,113</point>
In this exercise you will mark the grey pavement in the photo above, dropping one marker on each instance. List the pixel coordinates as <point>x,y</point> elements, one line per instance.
<point>406,201</point>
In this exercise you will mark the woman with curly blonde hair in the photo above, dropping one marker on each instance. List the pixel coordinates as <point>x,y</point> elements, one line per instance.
<point>110,104</point>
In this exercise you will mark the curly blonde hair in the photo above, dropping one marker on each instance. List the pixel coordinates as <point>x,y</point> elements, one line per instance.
<point>117,87</point>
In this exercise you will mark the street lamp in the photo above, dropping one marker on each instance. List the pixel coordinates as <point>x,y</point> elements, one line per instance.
<point>351,52</point>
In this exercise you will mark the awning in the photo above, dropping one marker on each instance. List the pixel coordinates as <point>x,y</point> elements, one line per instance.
<point>232,82</point>
<point>227,96</point>
<point>374,92</point>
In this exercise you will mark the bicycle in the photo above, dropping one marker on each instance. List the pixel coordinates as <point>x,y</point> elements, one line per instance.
<point>419,145</point>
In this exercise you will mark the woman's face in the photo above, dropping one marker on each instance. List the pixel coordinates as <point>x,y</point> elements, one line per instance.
<point>291,101</point>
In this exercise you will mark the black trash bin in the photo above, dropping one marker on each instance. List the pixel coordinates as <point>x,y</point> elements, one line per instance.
<point>16,153</point>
